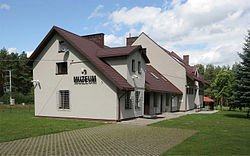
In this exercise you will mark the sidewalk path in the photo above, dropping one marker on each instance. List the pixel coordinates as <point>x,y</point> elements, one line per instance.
<point>112,139</point>
<point>164,116</point>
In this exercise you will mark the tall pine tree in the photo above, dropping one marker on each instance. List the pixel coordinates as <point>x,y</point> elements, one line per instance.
<point>242,92</point>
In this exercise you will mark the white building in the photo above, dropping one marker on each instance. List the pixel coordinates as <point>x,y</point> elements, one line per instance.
<point>177,70</point>
<point>79,77</point>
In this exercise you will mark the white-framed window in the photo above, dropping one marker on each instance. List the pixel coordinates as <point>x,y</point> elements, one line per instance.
<point>63,99</point>
<point>128,101</point>
<point>155,100</point>
<point>190,91</point>
<point>137,99</point>
<point>133,65</point>
<point>139,67</point>
<point>61,68</point>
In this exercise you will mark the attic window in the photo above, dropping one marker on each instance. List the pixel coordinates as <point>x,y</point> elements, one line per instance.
<point>62,68</point>
<point>154,75</point>
<point>62,47</point>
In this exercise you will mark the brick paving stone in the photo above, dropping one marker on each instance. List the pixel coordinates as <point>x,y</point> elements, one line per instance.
<point>113,139</point>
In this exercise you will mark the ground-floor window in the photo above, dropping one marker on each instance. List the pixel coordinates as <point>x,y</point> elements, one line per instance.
<point>64,99</point>
<point>190,91</point>
<point>128,101</point>
<point>137,96</point>
<point>155,99</point>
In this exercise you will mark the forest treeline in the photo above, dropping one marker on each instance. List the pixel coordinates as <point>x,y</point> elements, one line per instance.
<point>220,82</point>
<point>21,76</point>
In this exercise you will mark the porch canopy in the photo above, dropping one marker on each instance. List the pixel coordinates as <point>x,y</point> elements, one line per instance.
<point>208,100</point>
<point>156,82</point>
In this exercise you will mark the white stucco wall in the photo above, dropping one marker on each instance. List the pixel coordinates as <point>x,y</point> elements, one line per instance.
<point>165,64</point>
<point>123,65</point>
<point>96,101</point>
<point>137,80</point>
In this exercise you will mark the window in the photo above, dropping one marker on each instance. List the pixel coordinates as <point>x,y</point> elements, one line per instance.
<point>139,67</point>
<point>133,65</point>
<point>128,101</point>
<point>63,99</point>
<point>154,75</point>
<point>190,91</point>
<point>137,96</point>
<point>155,100</point>
<point>62,68</point>
<point>201,92</point>
<point>62,47</point>
<point>164,78</point>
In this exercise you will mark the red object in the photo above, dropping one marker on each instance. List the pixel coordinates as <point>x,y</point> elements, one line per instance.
<point>208,100</point>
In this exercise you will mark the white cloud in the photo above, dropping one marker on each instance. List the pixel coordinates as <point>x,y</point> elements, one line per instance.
<point>112,40</point>
<point>12,50</point>
<point>29,53</point>
<point>221,25</point>
<point>96,12</point>
<point>4,6</point>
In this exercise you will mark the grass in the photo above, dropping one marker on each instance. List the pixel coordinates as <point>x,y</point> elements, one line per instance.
<point>223,133</point>
<point>17,122</point>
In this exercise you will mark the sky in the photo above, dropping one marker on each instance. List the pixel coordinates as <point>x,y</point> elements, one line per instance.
<point>210,31</point>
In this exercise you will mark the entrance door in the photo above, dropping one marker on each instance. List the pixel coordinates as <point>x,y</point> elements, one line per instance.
<point>146,103</point>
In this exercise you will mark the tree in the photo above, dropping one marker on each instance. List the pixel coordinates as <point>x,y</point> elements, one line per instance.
<point>222,87</point>
<point>200,68</point>
<point>21,74</point>
<point>242,94</point>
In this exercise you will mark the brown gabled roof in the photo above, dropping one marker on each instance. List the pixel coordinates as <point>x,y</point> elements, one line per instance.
<point>190,70</point>
<point>88,49</point>
<point>156,82</point>
<point>122,51</point>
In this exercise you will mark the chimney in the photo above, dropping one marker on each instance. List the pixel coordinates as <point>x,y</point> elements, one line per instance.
<point>97,38</point>
<point>130,40</point>
<point>186,59</point>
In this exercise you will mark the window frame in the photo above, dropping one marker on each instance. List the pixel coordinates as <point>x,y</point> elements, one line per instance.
<point>133,65</point>
<point>128,101</point>
<point>155,105</point>
<point>137,99</point>
<point>139,67</point>
<point>59,65</point>
<point>64,100</point>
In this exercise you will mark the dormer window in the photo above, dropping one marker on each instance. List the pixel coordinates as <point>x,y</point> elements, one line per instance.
<point>62,47</point>
<point>133,65</point>
<point>154,75</point>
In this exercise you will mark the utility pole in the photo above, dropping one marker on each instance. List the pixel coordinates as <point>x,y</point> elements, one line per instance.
<point>10,88</point>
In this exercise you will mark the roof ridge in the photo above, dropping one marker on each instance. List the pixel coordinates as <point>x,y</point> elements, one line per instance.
<point>82,38</point>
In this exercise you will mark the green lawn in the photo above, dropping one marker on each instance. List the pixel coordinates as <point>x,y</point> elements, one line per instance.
<point>17,122</point>
<point>223,133</point>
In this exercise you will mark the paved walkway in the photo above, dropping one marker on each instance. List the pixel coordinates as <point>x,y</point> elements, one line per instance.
<point>164,116</point>
<point>112,139</point>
